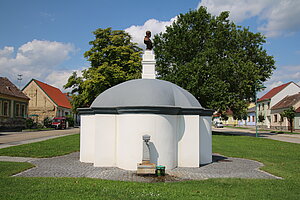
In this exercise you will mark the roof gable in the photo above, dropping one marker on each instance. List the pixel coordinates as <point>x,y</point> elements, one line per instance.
<point>8,88</point>
<point>273,92</point>
<point>54,94</point>
<point>287,101</point>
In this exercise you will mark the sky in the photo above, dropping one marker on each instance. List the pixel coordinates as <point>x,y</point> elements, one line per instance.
<point>46,39</point>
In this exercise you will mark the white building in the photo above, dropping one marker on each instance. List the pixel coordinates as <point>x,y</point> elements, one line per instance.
<point>112,128</point>
<point>266,102</point>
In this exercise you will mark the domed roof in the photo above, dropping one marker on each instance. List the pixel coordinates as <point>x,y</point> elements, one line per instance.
<point>146,92</point>
<point>148,96</point>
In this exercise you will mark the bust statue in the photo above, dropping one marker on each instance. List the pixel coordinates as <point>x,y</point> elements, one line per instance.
<point>147,41</point>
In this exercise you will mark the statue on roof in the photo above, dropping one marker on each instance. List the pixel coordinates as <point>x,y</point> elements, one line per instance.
<point>147,41</point>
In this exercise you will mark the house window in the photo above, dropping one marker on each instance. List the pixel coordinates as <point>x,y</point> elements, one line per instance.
<point>248,118</point>
<point>263,106</point>
<point>1,108</point>
<point>253,119</point>
<point>5,108</point>
<point>18,110</point>
<point>23,111</point>
<point>268,105</point>
<point>275,118</point>
<point>280,118</point>
<point>258,107</point>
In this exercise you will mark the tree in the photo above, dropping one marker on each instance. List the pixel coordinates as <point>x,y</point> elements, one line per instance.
<point>113,58</point>
<point>290,115</point>
<point>261,118</point>
<point>220,63</point>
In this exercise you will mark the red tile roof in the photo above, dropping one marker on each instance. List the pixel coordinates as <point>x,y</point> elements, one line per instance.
<point>55,94</point>
<point>8,88</point>
<point>273,92</point>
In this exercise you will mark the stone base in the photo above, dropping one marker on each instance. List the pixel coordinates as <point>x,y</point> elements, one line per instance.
<point>144,169</point>
<point>148,63</point>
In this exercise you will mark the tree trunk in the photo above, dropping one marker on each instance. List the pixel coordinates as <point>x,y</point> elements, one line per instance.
<point>291,125</point>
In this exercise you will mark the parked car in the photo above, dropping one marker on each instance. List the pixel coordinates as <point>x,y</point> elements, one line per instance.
<point>59,123</point>
<point>219,125</point>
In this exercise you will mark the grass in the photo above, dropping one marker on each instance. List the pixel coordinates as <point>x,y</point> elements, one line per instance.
<point>45,149</point>
<point>237,127</point>
<point>280,158</point>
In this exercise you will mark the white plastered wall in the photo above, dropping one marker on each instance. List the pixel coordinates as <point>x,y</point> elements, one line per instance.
<point>87,138</point>
<point>205,140</point>
<point>288,90</point>
<point>105,140</point>
<point>131,128</point>
<point>116,140</point>
<point>188,141</point>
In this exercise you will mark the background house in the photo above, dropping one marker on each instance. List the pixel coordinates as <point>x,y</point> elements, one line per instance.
<point>250,121</point>
<point>46,101</point>
<point>278,122</point>
<point>230,120</point>
<point>266,102</point>
<point>297,119</point>
<point>13,106</point>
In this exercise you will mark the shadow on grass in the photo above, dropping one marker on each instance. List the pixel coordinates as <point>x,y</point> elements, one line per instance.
<point>224,133</point>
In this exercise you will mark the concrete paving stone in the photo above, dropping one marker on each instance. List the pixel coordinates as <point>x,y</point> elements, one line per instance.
<point>70,166</point>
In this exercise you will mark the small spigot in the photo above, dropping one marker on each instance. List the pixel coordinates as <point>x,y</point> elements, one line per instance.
<point>146,138</point>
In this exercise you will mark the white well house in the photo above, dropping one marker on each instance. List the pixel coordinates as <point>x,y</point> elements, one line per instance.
<point>112,128</point>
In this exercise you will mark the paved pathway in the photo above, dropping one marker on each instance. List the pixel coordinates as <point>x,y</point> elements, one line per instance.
<point>8,139</point>
<point>70,166</point>
<point>292,138</point>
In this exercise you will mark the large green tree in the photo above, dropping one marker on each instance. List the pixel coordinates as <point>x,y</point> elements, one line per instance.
<point>113,58</point>
<point>220,63</point>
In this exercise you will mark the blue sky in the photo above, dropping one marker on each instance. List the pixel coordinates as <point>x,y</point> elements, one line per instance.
<point>46,39</point>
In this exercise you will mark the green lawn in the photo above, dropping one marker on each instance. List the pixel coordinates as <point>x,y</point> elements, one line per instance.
<point>280,158</point>
<point>48,148</point>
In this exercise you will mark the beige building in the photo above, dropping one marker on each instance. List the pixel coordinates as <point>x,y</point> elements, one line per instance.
<point>277,121</point>
<point>13,106</point>
<point>46,101</point>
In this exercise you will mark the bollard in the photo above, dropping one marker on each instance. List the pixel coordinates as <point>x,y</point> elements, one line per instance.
<point>160,170</point>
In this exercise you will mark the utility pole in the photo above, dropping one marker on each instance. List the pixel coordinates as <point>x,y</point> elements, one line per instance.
<point>257,89</point>
<point>20,80</point>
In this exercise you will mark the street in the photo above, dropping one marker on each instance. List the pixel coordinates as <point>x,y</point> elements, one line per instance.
<point>16,138</point>
<point>292,138</point>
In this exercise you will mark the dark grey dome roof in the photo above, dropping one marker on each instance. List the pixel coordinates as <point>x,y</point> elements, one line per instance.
<point>146,92</point>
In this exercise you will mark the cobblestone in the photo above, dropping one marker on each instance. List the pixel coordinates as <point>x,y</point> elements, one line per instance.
<point>70,166</point>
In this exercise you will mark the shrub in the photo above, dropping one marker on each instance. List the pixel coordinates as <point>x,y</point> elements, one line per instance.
<point>39,125</point>
<point>29,123</point>
<point>70,120</point>
<point>47,122</point>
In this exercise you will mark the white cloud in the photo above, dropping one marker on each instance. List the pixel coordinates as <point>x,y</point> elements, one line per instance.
<point>60,78</point>
<point>276,17</point>
<point>36,59</point>
<point>239,10</point>
<point>6,52</point>
<point>153,25</point>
